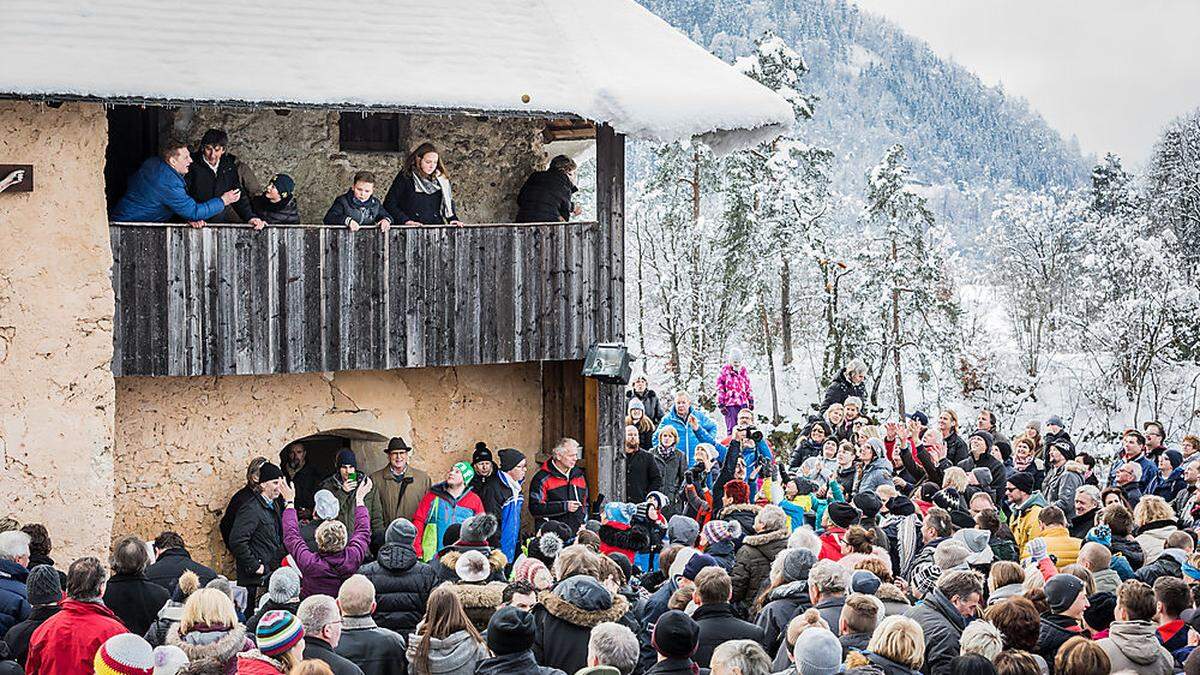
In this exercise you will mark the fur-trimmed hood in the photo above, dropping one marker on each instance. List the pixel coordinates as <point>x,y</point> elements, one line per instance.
<point>792,590</point>
<point>736,508</point>
<point>590,605</point>
<point>1076,466</point>
<point>212,657</point>
<point>766,537</point>
<point>478,596</point>
<point>496,559</point>
<point>254,662</point>
<point>891,593</point>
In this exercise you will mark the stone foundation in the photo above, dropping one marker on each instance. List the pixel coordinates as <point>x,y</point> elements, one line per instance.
<point>56,308</point>
<point>182,444</point>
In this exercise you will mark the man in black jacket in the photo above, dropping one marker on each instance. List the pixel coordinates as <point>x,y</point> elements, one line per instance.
<point>133,598</point>
<point>715,615</point>
<point>256,539</point>
<point>243,495</point>
<point>546,195</point>
<point>642,473</point>
<point>323,633</point>
<point>215,172</point>
<point>377,651</point>
<point>980,448</point>
<point>171,559</point>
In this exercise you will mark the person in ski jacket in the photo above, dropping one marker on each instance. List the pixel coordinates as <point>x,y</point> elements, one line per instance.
<point>447,503</point>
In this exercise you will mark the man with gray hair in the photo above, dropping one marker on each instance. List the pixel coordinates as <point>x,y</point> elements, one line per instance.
<point>612,650</point>
<point>740,657</point>
<point>322,623</point>
<point>848,383</point>
<point>14,597</point>
<point>944,614</point>
<point>377,651</point>
<point>827,583</point>
<point>1087,505</point>
<point>1097,558</point>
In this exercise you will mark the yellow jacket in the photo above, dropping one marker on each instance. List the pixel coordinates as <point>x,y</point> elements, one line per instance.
<point>1059,544</point>
<point>1025,526</point>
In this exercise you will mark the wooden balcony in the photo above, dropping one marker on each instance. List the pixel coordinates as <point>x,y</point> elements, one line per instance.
<point>226,300</point>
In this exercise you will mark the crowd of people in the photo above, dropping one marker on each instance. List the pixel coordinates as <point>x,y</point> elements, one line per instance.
<point>213,185</point>
<point>869,547</point>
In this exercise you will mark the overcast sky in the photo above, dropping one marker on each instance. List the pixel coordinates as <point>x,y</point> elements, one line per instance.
<point>1112,72</point>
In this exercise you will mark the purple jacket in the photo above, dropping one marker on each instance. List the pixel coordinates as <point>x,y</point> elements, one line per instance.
<point>324,572</point>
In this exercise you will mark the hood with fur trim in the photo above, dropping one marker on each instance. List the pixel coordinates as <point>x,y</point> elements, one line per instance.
<point>496,559</point>
<point>213,656</point>
<point>591,603</point>
<point>891,593</point>
<point>766,537</point>
<point>478,596</point>
<point>735,508</point>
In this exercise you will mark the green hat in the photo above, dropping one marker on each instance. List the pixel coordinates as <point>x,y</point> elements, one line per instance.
<point>467,471</point>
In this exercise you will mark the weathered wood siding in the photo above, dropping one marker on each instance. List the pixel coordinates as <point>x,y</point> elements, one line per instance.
<point>223,300</point>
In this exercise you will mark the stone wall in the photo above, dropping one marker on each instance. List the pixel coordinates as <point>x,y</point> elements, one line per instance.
<point>56,308</point>
<point>182,444</point>
<point>487,159</point>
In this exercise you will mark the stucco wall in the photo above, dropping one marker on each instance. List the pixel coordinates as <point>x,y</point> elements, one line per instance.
<point>182,444</point>
<point>487,159</point>
<point>56,307</point>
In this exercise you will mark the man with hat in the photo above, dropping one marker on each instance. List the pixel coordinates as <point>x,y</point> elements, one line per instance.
<point>1067,599</point>
<point>1167,481</point>
<point>342,484</point>
<point>675,638</point>
<point>256,539</point>
<point>510,636</point>
<point>501,495</point>
<point>399,487</point>
<point>1063,478</point>
<point>979,446</point>
<point>277,204</point>
<point>1027,504</point>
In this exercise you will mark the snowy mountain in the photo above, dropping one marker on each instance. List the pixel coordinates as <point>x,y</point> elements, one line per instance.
<point>878,86</point>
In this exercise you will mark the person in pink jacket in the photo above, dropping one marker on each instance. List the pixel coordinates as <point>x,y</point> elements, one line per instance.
<point>733,389</point>
<point>338,556</point>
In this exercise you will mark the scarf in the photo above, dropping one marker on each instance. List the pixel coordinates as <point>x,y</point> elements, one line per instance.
<point>666,452</point>
<point>431,185</point>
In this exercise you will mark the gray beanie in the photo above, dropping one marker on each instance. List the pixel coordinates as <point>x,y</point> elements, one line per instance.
<point>817,652</point>
<point>477,528</point>
<point>401,531</point>
<point>325,505</point>
<point>44,586</point>
<point>221,584</point>
<point>284,585</point>
<point>682,530</point>
<point>797,564</point>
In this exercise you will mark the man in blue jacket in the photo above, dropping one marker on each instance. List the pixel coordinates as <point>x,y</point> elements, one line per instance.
<point>157,192</point>
<point>693,426</point>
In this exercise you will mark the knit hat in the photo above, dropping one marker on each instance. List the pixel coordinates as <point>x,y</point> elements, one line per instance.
<point>1055,421</point>
<point>697,563</point>
<point>623,562</point>
<point>1174,457</point>
<point>1067,450</point>
<point>924,577</point>
<point>979,542</point>
<point>397,444</point>
<point>901,506</point>
<point>510,458</point>
<point>1062,590</point>
<point>1099,614</point>
<point>473,567</point>
<point>737,492</point>
<point>1190,572</point>
<point>642,511</point>
<point>948,499</point>
<point>797,563</point>
<point>877,447</point>
<point>681,560</point>
<point>817,652</point>
<point>169,660</point>
<point>467,471</point>
<point>481,454</point>
<point>683,530</point>
<point>278,631</point>
<point>716,531</point>
<point>346,458</point>
<point>401,531</point>
<point>510,631</point>
<point>619,512</point>
<point>284,585</point>
<point>920,417</point>
<point>545,547</point>
<point>450,535</point>
<point>842,514</point>
<point>478,528</point>
<point>124,654</point>
<point>961,518</point>
<point>635,403</point>
<point>530,569</point>
<point>659,500</point>
<point>325,505</point>
<point>43,586</point>
<point>865,581</point>
<point>284,184</point>
<point>221,583</point>
<point>988,439</point>
<point>1023,481</point>
<point>869,504</point>
<point>269,471</point>
<point>676,635</point>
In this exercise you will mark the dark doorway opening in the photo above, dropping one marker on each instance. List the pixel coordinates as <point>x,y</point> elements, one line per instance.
<point>320,452</point>
<point>133,133</point>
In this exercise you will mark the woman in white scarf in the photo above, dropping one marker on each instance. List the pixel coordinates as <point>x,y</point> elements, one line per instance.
<point>421,194</point>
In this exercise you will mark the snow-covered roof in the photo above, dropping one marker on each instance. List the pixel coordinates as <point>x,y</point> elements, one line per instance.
<point>610,61</point>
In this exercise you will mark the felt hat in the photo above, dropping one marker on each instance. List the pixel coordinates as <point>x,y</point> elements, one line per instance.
<point>397,444</point>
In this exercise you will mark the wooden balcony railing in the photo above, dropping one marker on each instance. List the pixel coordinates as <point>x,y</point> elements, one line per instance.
<point>226,299</point>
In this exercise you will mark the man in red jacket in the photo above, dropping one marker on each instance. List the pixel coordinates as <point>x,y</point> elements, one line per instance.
<point>67,642</point>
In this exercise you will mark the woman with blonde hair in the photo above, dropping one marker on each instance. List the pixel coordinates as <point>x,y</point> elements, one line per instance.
<point>209,633</point>
<point>955,477</point>
<point>672,463</point>
<point>1155,521</point>
<point>420,194</point>
<point>897,647</point>
<point>445,641</point>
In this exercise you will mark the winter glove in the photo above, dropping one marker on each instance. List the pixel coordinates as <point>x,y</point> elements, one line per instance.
<point>1037,549</point>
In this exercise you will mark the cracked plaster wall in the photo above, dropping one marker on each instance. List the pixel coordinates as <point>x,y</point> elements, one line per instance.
<point>182,444</point>
<point>56,307</point>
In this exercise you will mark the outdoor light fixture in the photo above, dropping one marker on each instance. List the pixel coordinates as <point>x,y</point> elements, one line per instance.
<point>608,362</point>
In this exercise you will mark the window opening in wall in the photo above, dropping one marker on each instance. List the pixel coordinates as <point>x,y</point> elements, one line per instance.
<point>373,132</point>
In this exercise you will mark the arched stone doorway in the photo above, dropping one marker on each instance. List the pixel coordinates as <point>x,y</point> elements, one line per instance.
<point>321,449</point>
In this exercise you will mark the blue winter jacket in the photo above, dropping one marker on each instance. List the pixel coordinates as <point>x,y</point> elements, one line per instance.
<point>510,517</point>
<point>14,603</point>
<point>688,439</point>
<point>157,193</point>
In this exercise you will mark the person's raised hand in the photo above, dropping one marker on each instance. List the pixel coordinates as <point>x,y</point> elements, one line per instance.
<point>287,491</point>
<point>693,422</point>
<point>231,196</point>
<point>364,489</point>
<point>1037,549</point>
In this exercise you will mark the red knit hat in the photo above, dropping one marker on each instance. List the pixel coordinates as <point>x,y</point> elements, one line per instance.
<point>737,492</point>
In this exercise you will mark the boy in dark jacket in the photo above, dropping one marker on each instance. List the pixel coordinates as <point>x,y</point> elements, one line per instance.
<point>546,195</point>
<point>277,204</point>
<point>358,207</point>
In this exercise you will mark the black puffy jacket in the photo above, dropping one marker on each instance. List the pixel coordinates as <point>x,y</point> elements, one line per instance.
<point>545,198</point>
<point>565,617</point>
<point>841,389</point>
<point>204,184</point>
<point>402,584</point>
<point>283,212</point>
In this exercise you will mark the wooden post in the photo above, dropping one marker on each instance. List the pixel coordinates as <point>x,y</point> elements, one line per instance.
<point>610,321</point>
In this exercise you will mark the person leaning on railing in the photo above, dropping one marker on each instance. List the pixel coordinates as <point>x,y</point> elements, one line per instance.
<point>421,194</point>
<point>546,195</point>
<point>358,206</point>
<point>157,192</point>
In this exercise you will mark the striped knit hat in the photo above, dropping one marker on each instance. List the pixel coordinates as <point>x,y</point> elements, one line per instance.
<point>277,632</point>
<point>124,654</point>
